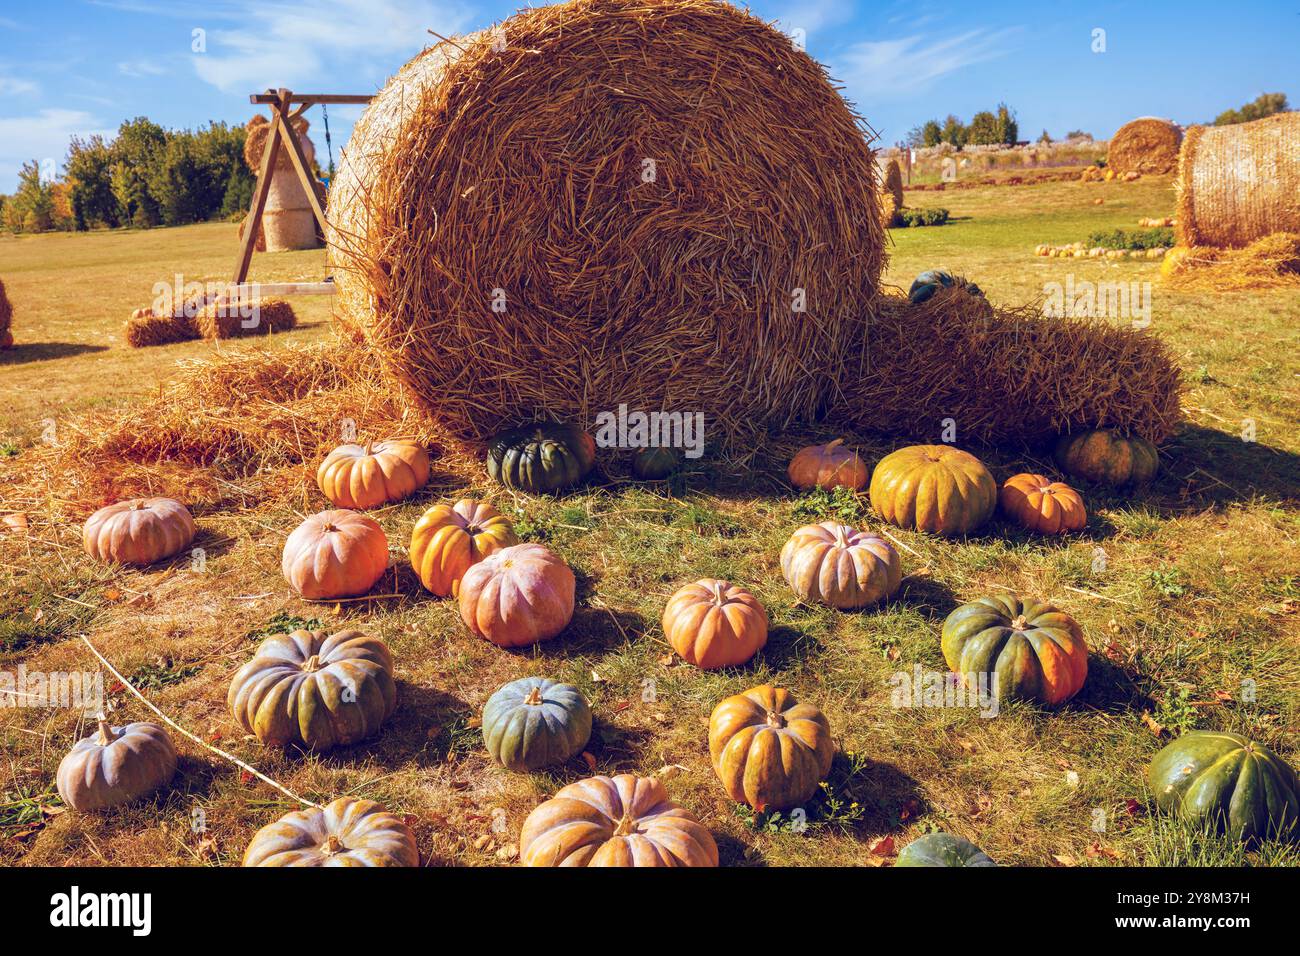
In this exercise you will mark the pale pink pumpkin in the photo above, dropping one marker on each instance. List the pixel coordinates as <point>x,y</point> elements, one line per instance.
<point>831,563</point>
<point>140,531</point>
<point>518,596</point>
<point>335,554</point>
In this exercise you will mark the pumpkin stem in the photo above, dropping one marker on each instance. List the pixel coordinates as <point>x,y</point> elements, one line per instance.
<point>720,592</point>
<point>105,735</point>
<point>312,664</point>
<point>835,444</point>
<point>775,719</point>
<point>626,825</point>
<point>332,845</point>
<point>534,697</point>
<point>841,536</point>
<point>366,450</point>
<point>1019,624</point>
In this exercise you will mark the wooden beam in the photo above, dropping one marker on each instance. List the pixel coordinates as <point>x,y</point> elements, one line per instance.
<point>253,224</point>
<point>299,160</point>
<point>237,293</point>
<point>310,99</point>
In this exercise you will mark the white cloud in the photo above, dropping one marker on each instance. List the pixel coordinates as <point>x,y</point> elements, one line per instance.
<point>141,68</point>
<point>813,16</point>
<point>888,69</point>
<point>13,86</point>
<point>294,43</point>
<point>42,136</point>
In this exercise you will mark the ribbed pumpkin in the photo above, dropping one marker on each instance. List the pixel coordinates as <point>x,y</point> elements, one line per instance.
<point>1103,457</point>
<point>832,563</point>
<point>541,457</point>
<point>314,690</point>
<point>1227,782</point>
<point>942,849</point>
<point>768,750</point>
<point>1036,651</point>
<point>926,284</point>
<point>615,821</point>
<point>1040,504</point>
<point>116,765</point>
<point>656,464</point>
<point>935,488</point>
<point>518,596</point>
<point>140,531</point>
<point>335,554</point>
<point>346,832</point>
<point>714,623</point>
<point>449,539</point>
<point>535,722</point>
<point>828,466</point>
<point>373,474</point>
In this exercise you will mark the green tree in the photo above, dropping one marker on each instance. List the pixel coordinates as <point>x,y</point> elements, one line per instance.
<point>1046,138</point>
<point>32,207</point>
<point>1008,130</point>
<point>1266,104</point>
<point>89,172</point>
<point>931,133</point>
<point>983,130</point>
<point>952,132</point>
<point>136,151</point>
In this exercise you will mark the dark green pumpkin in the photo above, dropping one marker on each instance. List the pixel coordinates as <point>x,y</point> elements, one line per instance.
<point>541,457</point>
<point>1105,457</point>
<point>535,722</point>
<point>942,849</point>
<point>656,464</point>
<point>1227,782</point>
<point>928,283</point>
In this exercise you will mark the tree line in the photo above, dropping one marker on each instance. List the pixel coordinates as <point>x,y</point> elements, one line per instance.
<point>145,176</point>
<point>986,128</point>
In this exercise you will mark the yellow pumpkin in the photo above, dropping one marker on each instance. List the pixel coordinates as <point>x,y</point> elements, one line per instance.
<point>335,554</point>
<point>827,466</point>
<point>370,475</point>
<point>768,750</point>
<point>1040,504</point>
<point>449,539</point>
<point>615,821</point>
<point>140,531</point>
<point>935,488</point>
<point>831,563</point>
<point>714,623</point>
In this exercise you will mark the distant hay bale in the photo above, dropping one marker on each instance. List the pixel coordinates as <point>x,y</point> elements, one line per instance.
<point>287,219</point>
<point>629,202</point>
<point>894,182</point>
<point>1239,183</point>
<point>1005,375</point>
<point>272,315</point>
<point>6,319</point>
<point>144,329</point>
<point>1145,145</point>
<point>1269,263</point>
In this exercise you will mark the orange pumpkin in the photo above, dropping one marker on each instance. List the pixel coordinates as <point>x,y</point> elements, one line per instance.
<point>714,623</point>
<point>831,563</point>
<point>366,476</point>
<point>140,531</point>
<point>615,821</point>
<point>335,554</point>
<point>449,539</point>
<point>518,596</point>
<point>828,466</point>
<point>1042,505</point>
<point>768,750</point>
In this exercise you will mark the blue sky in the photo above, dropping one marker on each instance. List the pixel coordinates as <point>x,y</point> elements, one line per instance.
<point>82,66</point>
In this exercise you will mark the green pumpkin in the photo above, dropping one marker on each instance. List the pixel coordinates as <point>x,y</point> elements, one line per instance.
<point>928,283</point>
<point>656,464</point>
<point>1104,457</point>
<point>541,457</point>
<point>535,722</point>
<point>942,849</point>
<point>1228,782</point>
<point>1035,651</point>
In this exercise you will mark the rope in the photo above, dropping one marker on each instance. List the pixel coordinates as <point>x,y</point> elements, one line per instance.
<point>329,146</point>
<point>207,746</point>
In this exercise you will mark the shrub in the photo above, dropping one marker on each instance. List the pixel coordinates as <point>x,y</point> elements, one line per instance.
<point>1160,238</point>
<point>923,217</point>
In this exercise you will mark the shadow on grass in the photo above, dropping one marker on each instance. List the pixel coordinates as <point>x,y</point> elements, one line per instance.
<point>1111,688</point>
<point>593,629</point>
<point>25,352</point>
<point>932,598</point>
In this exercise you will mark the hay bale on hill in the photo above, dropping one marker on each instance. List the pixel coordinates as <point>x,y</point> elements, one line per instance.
<point>1240,183</point>
<point>1146,145</point>
<point>6,320</point>
<point>1005,375</point>
<point>273,315</point>
<point>629,203</point>
<point>144,329</point>
<point>287,220</point>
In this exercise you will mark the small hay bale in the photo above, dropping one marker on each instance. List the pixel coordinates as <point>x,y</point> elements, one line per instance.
<point>260,244</point>
<point>894,183</point>
<point>287,220</point>
<point>1269,263</point>
<point>628,203</point>
<point>6,320</point>
<point>1237,184</point>
<point>271,315</point>
<point>1146,145</point>
<point>1005,375</point>
<point>145,329</point>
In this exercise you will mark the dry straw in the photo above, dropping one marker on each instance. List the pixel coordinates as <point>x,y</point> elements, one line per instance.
<point>1269,263</point>
<point>1146,146</point>
<point>894,182</point>
<point>647,191</point>
<point>144,329</point>
<point>273,315</point>
<point>1239,183</point>
<point>6,319</point>
<point>1005,375</point>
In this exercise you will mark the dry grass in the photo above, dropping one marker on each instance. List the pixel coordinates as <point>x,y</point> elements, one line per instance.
<point>677,292</point>
<point>6,319</point>
<point>1269,263</point>
<point>143,331</point>
<point>1147,146</point>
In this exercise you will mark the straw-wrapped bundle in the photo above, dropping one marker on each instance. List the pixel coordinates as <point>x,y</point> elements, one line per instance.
<point>287,220</point>
<point>894,182</point>
<point>1005,375</point>
<point>6,319</point>
<point>1239,183</point>
<point>144,329</point>
<point>629,201</point>
<point>1145,145</point>
<point>260,244</point>
<point>226,322</point>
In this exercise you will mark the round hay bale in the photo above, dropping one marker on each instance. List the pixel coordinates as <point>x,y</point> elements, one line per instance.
<point>630,201</point>
<point>6,319</point>
<point>1240,183</point>
<point>1146,145</point>
<point>287,219</point>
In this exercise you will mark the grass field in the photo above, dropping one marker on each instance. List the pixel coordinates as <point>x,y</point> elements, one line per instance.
<point>1196,602</point>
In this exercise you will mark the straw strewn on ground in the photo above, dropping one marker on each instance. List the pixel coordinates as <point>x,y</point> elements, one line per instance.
<point>1268,263</point>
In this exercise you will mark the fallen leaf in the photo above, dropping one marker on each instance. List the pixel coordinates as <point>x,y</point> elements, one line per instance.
<point>667,660</point>
<point>1096,849</point>
<point>591,760</point>
<point>1132,807</point>
<point>15,522</point>
<point>474,722</point>
<point>668,771</point>
<point>1065,859</point>
<point>1151,724</point>
<point>596,678</point>
<point>508,852</point>
<point>482,842</point>
<point>882,846</point>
